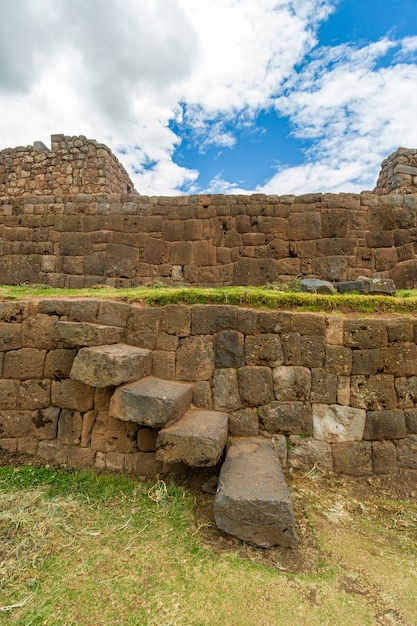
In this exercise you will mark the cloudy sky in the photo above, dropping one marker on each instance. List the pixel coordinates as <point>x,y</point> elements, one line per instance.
<point>220,96</point>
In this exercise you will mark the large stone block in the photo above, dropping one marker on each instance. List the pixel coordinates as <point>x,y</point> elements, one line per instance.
<point>407,452</point>
<point>151,402</point>
<point>197,439</point>
<point>34,394</point>
<point>406,389</point>
<point>323,386</point>
<point>210,319</point>
<point>228,349</point>
<point>385,425</point>
<point>71,394</point>
<point>373,393</point>
<point>264,349</point>
<point>86,334</point>
<point>354,458</point>
<point>365,333</point>
<point>400,359</point>
<point>226,390</point>
<point>195,358</point>
<point>304,453</point>
<point>10,336</point>
<point>103,366</point>
<point>367,361</point>
<point>337,424</point>
<point>112,435</point>
<point>142,327</point>
<point>9,390</point>
<point>384,457</point>
<point>255,385</point>
<point>24,364</point>
<point>253,501</point>
<point>244,423</point>
<point>292,383</point>
<point>248,271</point>
<point>338,360</point>
<point>176,320</point>
<point>58,363</point>
<point>122,261</point>
<point>287,418</point>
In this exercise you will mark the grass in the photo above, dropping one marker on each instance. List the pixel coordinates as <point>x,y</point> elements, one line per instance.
<point>81,548</point>
<point>271,296</point>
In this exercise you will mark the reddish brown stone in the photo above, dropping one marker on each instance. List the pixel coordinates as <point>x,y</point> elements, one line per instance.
<point>71,394</point>
<point>384,457</point>
<point>255,385</point>
<point>385,425</point>
<point>34,394</point>
<point>112,435</point>
<point>373,393</point>
<point>10,336</point>
<point>24,363</point>
<point>263,349</point>
<point>195,358</point>
<point>353,457</point>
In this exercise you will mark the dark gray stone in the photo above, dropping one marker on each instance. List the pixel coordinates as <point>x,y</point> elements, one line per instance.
<point>197,439</point>
<point>314,285</point>
<point>368,286</point>
<point>228,349</point>
<point>104,366</point>
<point>85,334</point>
<point>253,501</point>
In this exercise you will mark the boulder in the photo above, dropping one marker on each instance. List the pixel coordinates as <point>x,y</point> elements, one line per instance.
<point>368,286</point>
<point>314,285</point>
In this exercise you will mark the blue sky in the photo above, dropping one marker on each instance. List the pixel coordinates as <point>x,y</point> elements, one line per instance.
<point>217,96</point>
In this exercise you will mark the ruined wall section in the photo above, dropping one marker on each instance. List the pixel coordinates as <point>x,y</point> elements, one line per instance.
<point>333,392</point>
<point>73,165</point>
<point>128,241</point>
<point>398,173</point>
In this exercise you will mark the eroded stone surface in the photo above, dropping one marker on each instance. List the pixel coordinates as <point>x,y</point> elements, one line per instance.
<point>85,334</point>
<point>102,366</point>
<point>253,501</point>
<point>197,439</point>
<point>336,424</point>
<point>151,402</point>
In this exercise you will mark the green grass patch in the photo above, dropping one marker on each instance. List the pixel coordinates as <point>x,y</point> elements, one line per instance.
<point>274,296</point>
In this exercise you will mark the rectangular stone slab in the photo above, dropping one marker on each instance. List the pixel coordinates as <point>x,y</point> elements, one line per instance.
<point>86,334</point>
<point>252,500</point>
<point>102,366</point>
<point>197,439</point>
<point>151,401</point>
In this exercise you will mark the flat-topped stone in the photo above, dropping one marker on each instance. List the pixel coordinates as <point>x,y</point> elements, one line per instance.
<point>252,500</point>
<point>86,334</point>
<point>151,401</point>
<point>197,439</point>
<point>115,364</point>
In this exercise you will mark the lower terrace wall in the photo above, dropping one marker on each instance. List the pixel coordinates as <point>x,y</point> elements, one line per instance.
<point>339,392</point>
<point>127,241</point>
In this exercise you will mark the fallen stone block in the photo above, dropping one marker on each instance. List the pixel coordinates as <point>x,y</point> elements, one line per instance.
<point>151,402</point>
<point>253,501</point>
<point>86,334</point>
<point>102,366</point>
<point>314,285</point>
<point>368,286</point>
<point>197,439</point>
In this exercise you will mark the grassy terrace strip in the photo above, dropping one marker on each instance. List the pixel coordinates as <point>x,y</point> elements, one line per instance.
<point>259,297</point>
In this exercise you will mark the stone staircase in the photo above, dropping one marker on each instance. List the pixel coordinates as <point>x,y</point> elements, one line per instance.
<point>252,500</point>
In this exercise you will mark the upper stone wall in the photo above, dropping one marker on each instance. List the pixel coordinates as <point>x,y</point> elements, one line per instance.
<point>74,165</point>
<point>398,173</point>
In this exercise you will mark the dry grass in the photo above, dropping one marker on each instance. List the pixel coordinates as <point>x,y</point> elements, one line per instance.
<point>104,550</point>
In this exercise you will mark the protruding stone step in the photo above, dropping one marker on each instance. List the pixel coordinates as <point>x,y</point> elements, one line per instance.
<point>101,366</point>
<point>86,334</point>
<point>253,501</point>
<point>151,401</point>
<point>197,439</point>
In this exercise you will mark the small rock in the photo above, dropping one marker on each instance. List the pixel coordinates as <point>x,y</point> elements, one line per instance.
<point>314,285</point>
<point>210,486</point>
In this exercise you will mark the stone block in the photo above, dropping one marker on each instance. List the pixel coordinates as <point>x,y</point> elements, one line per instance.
<point>53,452</point>
<point>244,423</point>
<point>176,320</point>
<point>24,364</point>
<point>34,394</point>
<point>246,321</point>
<point>112,365</point>
<point>353,457</point>
<point>302,226</point>
<point>291,348</point>
<point>58,363</point>
<point>202,397</point>
<point>86,334</point>
<point>314,285</point>
<point>292,383</point>
<point>39,424</point>
<point>156,251</point>
<point>182,253</point>
<point>407,452</point>
<point>252,500</point>
<point>306,453</point>
<point>323,386</point>
<point>248,271</point>
<point>113,435</point>
<point>83,310</point>
<point>287,418</point>
<point>338,360</point>
<point>226,390</point>
<point>330,268</point>
<point>9,390</point>
<point>80,457</point>
<point>400,359</point>
<point>151,402</point>
<point>71,394</point>
<point>308,324</point>
<point>10,336</point>
<point>195,358</point>
<point>373,393</point>
<point>406,390</point>
<point>69,427</point>
<point>400,329</point>
<point>164,364</point>
<point>113,313</point>
<point>143,327</point>
<point>263,349</point>
<point>146,439</point>
<point>204,253</point>
<point>210,319</point>
<point>312,351</point>
<point>384,457</point>
<point>255,385</point>
<point>14,312</point>
<point>365,333</point>
<point>367,362</point>
<point>122,261</point>
<point>88,421</point>
<point>343,390</point>
<point>197,439</point>
<point>385,425</point>
<point>274,322</point>
<point>337,424</point>
<point>228,349</point>
<point>411,420</point>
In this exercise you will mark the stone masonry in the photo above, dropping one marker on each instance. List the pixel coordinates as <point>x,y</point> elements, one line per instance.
<point>327,390</point>
<point>69,217</point>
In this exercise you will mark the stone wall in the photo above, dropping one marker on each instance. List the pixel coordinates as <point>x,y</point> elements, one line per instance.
<point>73,165</point>
<point>398,173</point>
<point>127,241</point>
<point>339,392</point>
